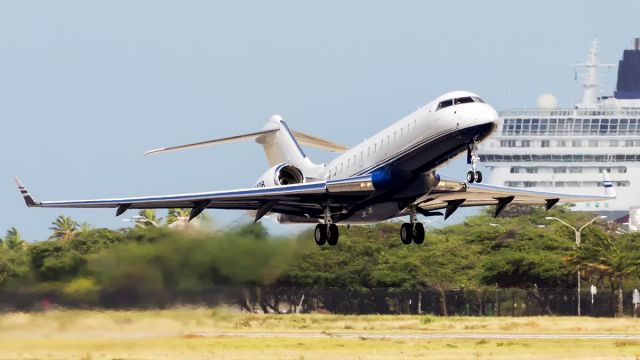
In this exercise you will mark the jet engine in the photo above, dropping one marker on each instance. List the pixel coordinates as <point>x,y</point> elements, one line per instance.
<point>282,174</point>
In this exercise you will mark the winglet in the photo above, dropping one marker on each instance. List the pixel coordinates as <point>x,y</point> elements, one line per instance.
<point>609,190</point>
<point>31,202</point>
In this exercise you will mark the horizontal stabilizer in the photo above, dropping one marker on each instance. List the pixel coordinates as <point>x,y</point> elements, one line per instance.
<point>263,136</point>
<point>316,142</point>
<point>248,136</point>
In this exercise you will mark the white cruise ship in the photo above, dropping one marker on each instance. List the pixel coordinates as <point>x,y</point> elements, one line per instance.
<point>550,148</point>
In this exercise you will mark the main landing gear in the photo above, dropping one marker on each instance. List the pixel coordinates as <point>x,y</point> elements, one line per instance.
<point>413,231</point>
<point>473,175</point>
<point>326,233</point>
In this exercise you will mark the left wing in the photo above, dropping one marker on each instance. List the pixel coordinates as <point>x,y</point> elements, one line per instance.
<point>307,199</point>
<point>451,194</point>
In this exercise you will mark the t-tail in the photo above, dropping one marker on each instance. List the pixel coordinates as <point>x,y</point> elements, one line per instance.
<point>281,145</point>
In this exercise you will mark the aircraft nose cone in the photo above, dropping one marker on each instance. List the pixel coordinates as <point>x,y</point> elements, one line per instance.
<point>492,115</point>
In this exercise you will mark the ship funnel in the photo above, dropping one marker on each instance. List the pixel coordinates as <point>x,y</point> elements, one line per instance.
<point>628,85</point>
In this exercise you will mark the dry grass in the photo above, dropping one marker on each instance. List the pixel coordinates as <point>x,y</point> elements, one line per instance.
<point>176,321</point>
<point>309,349</point>
<point>173,334</point>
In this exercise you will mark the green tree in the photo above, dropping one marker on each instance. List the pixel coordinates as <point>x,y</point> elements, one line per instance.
<point>175,215</point>
<point>55,261</point>
<point>95,240</point>
<point>613,257</point>
<point>64,228</point>
<point>520,254</point>
<point>13,240</point>
<point>149,217</point>
<point>85,227</point>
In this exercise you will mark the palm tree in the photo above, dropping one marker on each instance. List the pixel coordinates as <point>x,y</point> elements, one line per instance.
<point>610,258</point>
<point>64,228</point>
<point>149,217</point>
<point>175,215</point>
<point>85,227</point>
<point>13,240</point>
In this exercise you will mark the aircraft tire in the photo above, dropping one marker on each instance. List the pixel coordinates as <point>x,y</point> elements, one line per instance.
<point>471,177</point>
<point>334,235</point>
<point>478,176</point>
<point>418,233</point>
<point>406,233</point>
<point>320,234</point>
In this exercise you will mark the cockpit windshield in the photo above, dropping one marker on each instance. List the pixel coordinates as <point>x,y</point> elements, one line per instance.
<point>457,101</point>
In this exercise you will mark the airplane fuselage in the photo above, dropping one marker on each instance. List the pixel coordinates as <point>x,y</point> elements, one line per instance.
<point>419,143</point>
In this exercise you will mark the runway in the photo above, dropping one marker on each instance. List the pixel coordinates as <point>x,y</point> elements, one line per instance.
<point>422,336</point>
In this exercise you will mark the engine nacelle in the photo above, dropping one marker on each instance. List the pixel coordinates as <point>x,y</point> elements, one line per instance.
<point>282,174</point>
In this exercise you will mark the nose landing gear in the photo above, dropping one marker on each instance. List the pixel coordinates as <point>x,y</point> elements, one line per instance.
<point>473,175</point>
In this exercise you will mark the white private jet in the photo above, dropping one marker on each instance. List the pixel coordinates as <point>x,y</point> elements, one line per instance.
<point>391,174</point>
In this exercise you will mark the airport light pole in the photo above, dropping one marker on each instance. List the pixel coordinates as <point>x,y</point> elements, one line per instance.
<point>577,232</point>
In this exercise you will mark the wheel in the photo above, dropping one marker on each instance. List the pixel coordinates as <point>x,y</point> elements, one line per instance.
<point>418,233</point>
<point>334,234</point>
<point>406,233</point>
<point>320,234</point>
<point>471,177</point>
<point>478,176</point>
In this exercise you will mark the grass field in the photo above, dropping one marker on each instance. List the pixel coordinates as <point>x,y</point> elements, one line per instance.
<point>176,334</point>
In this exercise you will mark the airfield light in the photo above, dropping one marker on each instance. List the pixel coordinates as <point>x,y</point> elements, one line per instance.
<point>577,232</point>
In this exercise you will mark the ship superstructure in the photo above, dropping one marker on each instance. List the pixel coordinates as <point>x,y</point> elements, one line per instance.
<point>563,149</point>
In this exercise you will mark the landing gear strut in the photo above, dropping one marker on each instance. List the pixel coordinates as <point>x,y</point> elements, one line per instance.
<point>328,232</point>
<point>473,175</point>
<point>413,231</point>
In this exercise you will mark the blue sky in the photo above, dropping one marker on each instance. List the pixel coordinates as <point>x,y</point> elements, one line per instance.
<point>86,86</point>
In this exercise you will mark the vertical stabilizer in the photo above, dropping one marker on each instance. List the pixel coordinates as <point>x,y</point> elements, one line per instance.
<point>281,147</point>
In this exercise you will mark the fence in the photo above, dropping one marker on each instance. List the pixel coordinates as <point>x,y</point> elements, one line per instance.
<point>488,302</point>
